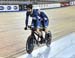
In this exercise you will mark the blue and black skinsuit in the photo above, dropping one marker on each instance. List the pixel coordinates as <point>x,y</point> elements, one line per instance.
<point>44,19</point>
<point>38,19</point>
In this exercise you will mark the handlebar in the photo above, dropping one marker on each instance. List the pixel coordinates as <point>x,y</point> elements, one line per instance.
<point>29,27</point>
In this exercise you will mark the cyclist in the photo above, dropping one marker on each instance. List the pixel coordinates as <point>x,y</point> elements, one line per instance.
<point>34,14</point>
<point>44,22</point>
<point>38,18</point>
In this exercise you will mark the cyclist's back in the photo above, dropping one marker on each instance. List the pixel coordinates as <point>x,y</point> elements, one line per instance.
<point>43,19</point>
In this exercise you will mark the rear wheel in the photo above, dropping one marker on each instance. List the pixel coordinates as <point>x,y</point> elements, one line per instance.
<point>29,45</point>
<point>48,38</point>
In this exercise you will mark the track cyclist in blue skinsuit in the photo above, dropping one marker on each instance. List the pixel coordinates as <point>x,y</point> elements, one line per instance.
<point>39,19</point>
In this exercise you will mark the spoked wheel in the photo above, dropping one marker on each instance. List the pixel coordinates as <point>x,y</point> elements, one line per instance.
<point>48,38</point>
<point>29,45</point>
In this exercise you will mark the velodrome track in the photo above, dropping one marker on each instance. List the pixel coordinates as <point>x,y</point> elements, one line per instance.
<point>13,36</point>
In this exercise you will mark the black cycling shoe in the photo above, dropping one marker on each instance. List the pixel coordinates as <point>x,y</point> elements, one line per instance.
<point>42,40</point>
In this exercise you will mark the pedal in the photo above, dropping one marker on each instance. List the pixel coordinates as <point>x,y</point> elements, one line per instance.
<point>42,41</point>
<point>37,43</point>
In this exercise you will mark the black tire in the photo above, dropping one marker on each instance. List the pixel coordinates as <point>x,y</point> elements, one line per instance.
<point>48,38</point>
<point>29,45</point>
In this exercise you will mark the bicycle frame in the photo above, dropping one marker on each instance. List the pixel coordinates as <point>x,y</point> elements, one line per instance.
<point>34,32</point>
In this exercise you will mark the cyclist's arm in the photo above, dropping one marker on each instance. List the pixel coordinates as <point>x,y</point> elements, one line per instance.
<point>26,21</point>
<point>37,18</point>
<point>44,16</point>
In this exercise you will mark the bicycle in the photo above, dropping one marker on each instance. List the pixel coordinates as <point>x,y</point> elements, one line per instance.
<point>31,41</point>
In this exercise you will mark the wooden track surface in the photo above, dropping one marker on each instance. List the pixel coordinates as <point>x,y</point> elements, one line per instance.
<point>13,36</point>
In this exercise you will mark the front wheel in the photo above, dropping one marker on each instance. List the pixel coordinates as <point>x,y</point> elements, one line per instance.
<point>48,38</point>
<point>29,45</point>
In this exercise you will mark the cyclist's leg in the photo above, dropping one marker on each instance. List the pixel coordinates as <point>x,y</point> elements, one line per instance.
<point>32,25</point>
<point>47,32</point>
<point>35,26</point>
<point>38,27</point>
<point>38,30</point>
<point>46,23</point>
